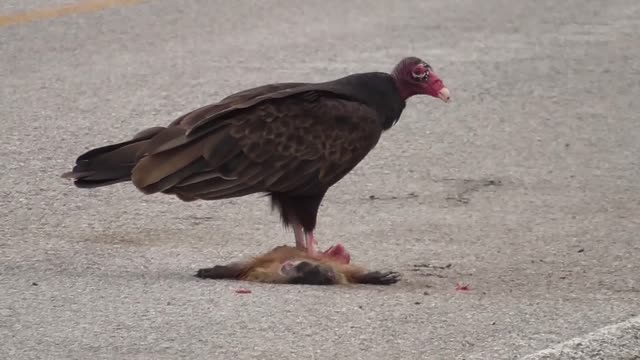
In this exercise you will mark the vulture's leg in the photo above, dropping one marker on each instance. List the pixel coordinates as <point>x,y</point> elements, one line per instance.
<point>311,244</point>
<point>305,241</point>
<point>336,253</point>
<point>298,232</point>
<point>308,242</point>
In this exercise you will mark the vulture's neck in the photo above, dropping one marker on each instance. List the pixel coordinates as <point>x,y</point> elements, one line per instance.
<point>379,91</point>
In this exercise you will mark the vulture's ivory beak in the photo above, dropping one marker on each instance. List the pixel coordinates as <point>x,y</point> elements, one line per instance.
<point>443,94</point>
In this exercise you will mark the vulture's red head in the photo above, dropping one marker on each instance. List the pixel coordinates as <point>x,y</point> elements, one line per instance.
<point>414,76</point>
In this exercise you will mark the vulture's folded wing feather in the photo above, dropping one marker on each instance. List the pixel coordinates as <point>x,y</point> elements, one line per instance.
<point>300,144</point>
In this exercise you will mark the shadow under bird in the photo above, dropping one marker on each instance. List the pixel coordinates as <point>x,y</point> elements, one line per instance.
<point>291,141</point>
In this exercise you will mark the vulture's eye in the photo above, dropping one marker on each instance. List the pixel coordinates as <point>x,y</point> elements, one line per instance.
<point>421,76</point>
<point>421,72</point>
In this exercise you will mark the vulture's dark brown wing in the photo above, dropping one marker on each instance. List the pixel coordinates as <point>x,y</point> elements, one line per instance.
<point>207,112</point>
<point>295,141</point>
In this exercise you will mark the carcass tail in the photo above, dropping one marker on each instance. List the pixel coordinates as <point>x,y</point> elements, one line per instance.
<point>110,164</point>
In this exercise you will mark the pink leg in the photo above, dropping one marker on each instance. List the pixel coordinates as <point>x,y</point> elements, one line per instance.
<point>311,244</point>
<point>298,232</point>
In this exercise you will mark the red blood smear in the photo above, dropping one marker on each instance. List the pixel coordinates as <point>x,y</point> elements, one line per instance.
<point>463,287</point>
<point>338,253</point>
<point>243,291</point>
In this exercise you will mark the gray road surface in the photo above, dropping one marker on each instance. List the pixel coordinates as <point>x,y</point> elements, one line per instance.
<point>527,183</point>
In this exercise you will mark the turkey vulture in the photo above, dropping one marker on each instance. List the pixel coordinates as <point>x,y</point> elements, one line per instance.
<point>291,141</point>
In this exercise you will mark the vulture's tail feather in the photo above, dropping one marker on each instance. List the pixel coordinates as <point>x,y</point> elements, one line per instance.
<point>109,164</point>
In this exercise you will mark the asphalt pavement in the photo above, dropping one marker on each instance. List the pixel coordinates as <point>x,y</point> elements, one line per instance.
<point>525,186</point>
